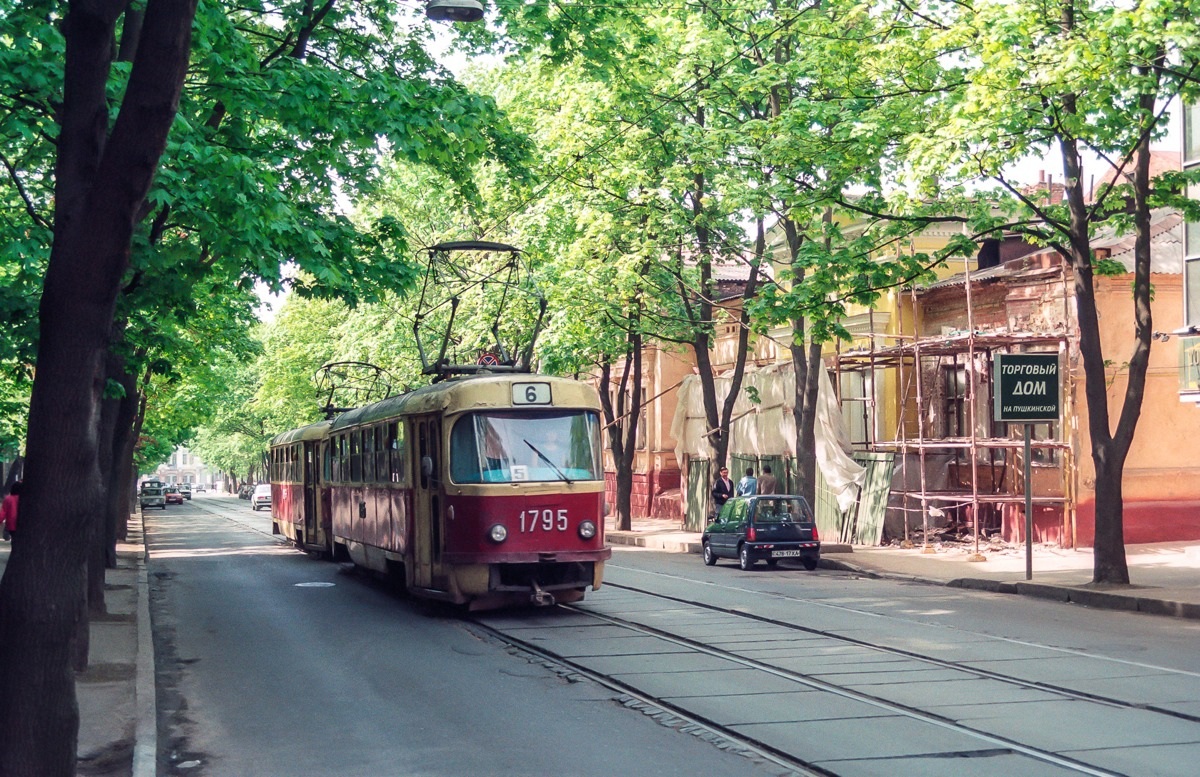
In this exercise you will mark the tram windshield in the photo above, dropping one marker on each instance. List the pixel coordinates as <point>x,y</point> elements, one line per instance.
<point>508,447</point>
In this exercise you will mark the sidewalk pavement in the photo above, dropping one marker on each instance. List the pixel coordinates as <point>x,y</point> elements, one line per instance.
<point>1164,577</point>
<point>117,724</point>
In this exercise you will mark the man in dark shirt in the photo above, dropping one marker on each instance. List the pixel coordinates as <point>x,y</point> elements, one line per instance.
<point>767,483</point>
<point>722,490</point>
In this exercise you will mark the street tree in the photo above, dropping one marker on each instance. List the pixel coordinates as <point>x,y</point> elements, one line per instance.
<point>92,113</point>
<point>1092,83</point>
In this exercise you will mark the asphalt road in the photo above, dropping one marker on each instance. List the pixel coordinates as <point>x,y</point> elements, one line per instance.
<point>272,663</point>
<point>878,677</point>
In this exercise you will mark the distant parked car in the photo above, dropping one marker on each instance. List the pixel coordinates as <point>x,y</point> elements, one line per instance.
<point>200,489</point>
<point>261,497</point>
<point>245,491</point>
<point>152,496</point>
<point>174,497</point>
<point>766,528</point>
<point>186,490</point>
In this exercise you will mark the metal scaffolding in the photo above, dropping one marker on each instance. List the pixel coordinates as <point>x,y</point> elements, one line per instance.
<point>913,356</point>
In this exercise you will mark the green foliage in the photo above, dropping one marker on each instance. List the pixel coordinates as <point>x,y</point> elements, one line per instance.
<point>288,113</point>
<point>1108,267</point>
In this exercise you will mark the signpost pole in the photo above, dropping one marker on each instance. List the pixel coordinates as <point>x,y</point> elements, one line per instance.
<point>1026,390</point>
<point>1028,505</point>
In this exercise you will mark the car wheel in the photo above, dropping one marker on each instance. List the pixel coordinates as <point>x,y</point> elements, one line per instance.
<point>744,560</point>
<point>710,558</point>
<point>809,563</point>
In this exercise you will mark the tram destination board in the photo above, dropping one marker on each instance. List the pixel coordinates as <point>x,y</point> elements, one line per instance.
<point>1026,387</point>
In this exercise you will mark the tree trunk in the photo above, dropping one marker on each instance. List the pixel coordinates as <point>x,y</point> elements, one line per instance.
<point>629,431</point>
<point>1109,450</point>
<point>100,183</point>
<point>719,419</point>
<point>121,481</point>
<point>806,360</point>
<point>804,413</point>
<point>622,424</point>
<point>119,489</point>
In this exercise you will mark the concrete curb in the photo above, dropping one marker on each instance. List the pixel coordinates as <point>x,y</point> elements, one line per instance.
<point>1087,597</point>
<point>145,748</point>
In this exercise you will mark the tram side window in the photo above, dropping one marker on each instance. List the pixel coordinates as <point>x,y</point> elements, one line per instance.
<point>368,454</point>
<point>356,456</point>
<point>336,444</point>
<point>395,450</point>
<point>380,454</point>
<point>327,462</point>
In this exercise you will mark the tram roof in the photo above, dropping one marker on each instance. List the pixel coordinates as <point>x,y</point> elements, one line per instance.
<point>474,392</point>
<point>311,432</point>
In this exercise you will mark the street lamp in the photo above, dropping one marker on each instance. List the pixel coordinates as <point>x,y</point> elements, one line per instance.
<point>454,10</point>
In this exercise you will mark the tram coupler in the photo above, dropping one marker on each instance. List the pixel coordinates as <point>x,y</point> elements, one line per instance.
<point>539,597</point>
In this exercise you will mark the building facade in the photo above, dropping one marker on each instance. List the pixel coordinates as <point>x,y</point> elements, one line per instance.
<point>184,467</point>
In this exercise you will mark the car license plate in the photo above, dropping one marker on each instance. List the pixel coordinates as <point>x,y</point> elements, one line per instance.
<point>784,553</point>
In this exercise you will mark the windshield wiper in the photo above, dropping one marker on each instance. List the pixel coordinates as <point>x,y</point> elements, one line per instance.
<point>546,459</point>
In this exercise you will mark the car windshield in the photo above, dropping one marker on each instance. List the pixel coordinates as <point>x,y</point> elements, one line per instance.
<point>507,447</point>
<point>781,510</point>
<point>260,490</point>
<point>152,492</point>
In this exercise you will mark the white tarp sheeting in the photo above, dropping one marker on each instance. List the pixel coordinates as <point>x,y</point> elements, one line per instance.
<point>768,426</point>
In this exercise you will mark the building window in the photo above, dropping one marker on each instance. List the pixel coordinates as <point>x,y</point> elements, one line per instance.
<point>1191,229</point>
<point>643,422</point>
<point>855,388</point>
<point>954,408</point>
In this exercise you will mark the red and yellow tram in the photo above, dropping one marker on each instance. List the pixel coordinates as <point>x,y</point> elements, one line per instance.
<point>485,490</point>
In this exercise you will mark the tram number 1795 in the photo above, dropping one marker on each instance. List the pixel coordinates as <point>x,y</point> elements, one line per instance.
<point>543,520</point>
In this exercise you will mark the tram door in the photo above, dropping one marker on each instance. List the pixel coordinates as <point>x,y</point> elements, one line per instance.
<point>310,493</point>
<point>427,517</point>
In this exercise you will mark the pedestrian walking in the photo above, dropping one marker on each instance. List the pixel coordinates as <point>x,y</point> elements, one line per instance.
<point>8,511</point>
<point>748,486</point>
<point>767,483</point>
<point>722,490</point>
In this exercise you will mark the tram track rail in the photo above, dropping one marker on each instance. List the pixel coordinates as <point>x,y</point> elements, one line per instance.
<point>1060,690</point>
<point>632,697</point>
<point>989,743</point>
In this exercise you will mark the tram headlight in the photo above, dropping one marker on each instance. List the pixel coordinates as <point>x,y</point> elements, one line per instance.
<point>587,530</point>
<point>498,533</point>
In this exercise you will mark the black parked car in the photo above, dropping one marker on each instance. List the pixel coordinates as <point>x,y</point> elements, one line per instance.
<point>245,490</point>
<point>767,528</point>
